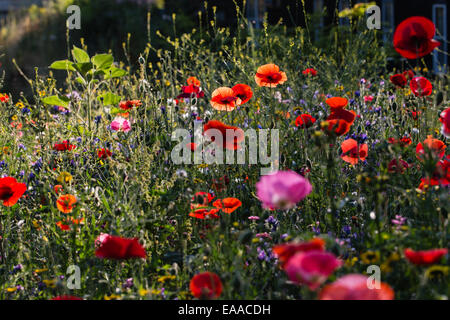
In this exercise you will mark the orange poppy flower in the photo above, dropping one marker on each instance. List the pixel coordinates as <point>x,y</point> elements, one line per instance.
<point>352,152</point>
<point>228,205</point>
<point>243,92</point>
<point>336,103</point>
<point>224,98</point>
<point>269,75</point>
<point>436,146</point>
<point>66,203</point>
<point>337,127</point>
<point>193,81</point>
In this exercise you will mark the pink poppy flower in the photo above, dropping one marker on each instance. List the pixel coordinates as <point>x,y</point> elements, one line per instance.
<point>120,124</point>
<point>282,190</point>
<point>311,268</point>
<point>445,119</point>
<point>354,287</point>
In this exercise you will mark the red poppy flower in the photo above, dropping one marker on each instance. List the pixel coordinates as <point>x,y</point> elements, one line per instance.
<point>243,92</point>
<point>104,153</point>
<point>4,97</point>
<point>336,103</point>
<point>11,191</point>
<point>425,183</point>
<point>64,146</point>
<point>408,74</point>
<point>269,75</point>
<point>310,71</point>
<point>304,121</point>
<point>200,199</point>
<point>191,91</point>
<point>127,105</point>
<point>58,188</point>
<point>352,152</point>
<point>397,166</point>
<point>113,247</point>
<point>440,176</point>
<point>193,81</point>
<point>354,287</point>
<point>235,133</point>
<point>65,225</point>
<point>66,297</point>
<point>420,86</point>
<point>204,213</point>
<point>206,285</point>
<point>337,127</point>
<point>285,251</point>
<point>403,142</point>
<point>413,37</point>
<point>425,257</point>
<point>227,205</point>
<point>415,114</point>
<point>66,203</point>
<point>399,80</point>
<point>436,146</point>
<point>342,114</point>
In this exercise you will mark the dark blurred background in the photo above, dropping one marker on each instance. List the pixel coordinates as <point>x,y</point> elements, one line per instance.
<point>34,31</point>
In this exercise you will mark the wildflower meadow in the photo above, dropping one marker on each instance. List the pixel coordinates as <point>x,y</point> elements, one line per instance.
<point>234,163</point>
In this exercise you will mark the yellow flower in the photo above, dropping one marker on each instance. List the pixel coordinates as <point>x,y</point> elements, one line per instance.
<point>165,278</point>
<point>42,93</point>
<point>436,272</point>
<point>236,224</point>
<point>20,105</point>
<point>351,262</point>
<point>112,297</point>
<point>36,224</point>
<point>50,283</point>
<point>370,257</point>
<point>143,292</point>
<point>64,177</point>
<point>12,289</point>
<point>154,291</point>
<point>41,270</point>
<point>14,118</point>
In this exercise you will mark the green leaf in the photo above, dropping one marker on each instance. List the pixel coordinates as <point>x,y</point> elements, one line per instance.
<point>103,61</point>
<point>114,72</point>
<point>80,55</point>
<point>109,99</point>
<point>56,101</point>
<point>63,65</point>
<point>84,67</point>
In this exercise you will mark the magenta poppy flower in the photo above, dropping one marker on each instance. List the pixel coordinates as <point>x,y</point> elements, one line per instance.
<point>120,124</point>
<point>421,87</point>
<point>311,267</point>
<point>354,287</point>
<point>282,190</point>
<point>413,38</point>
